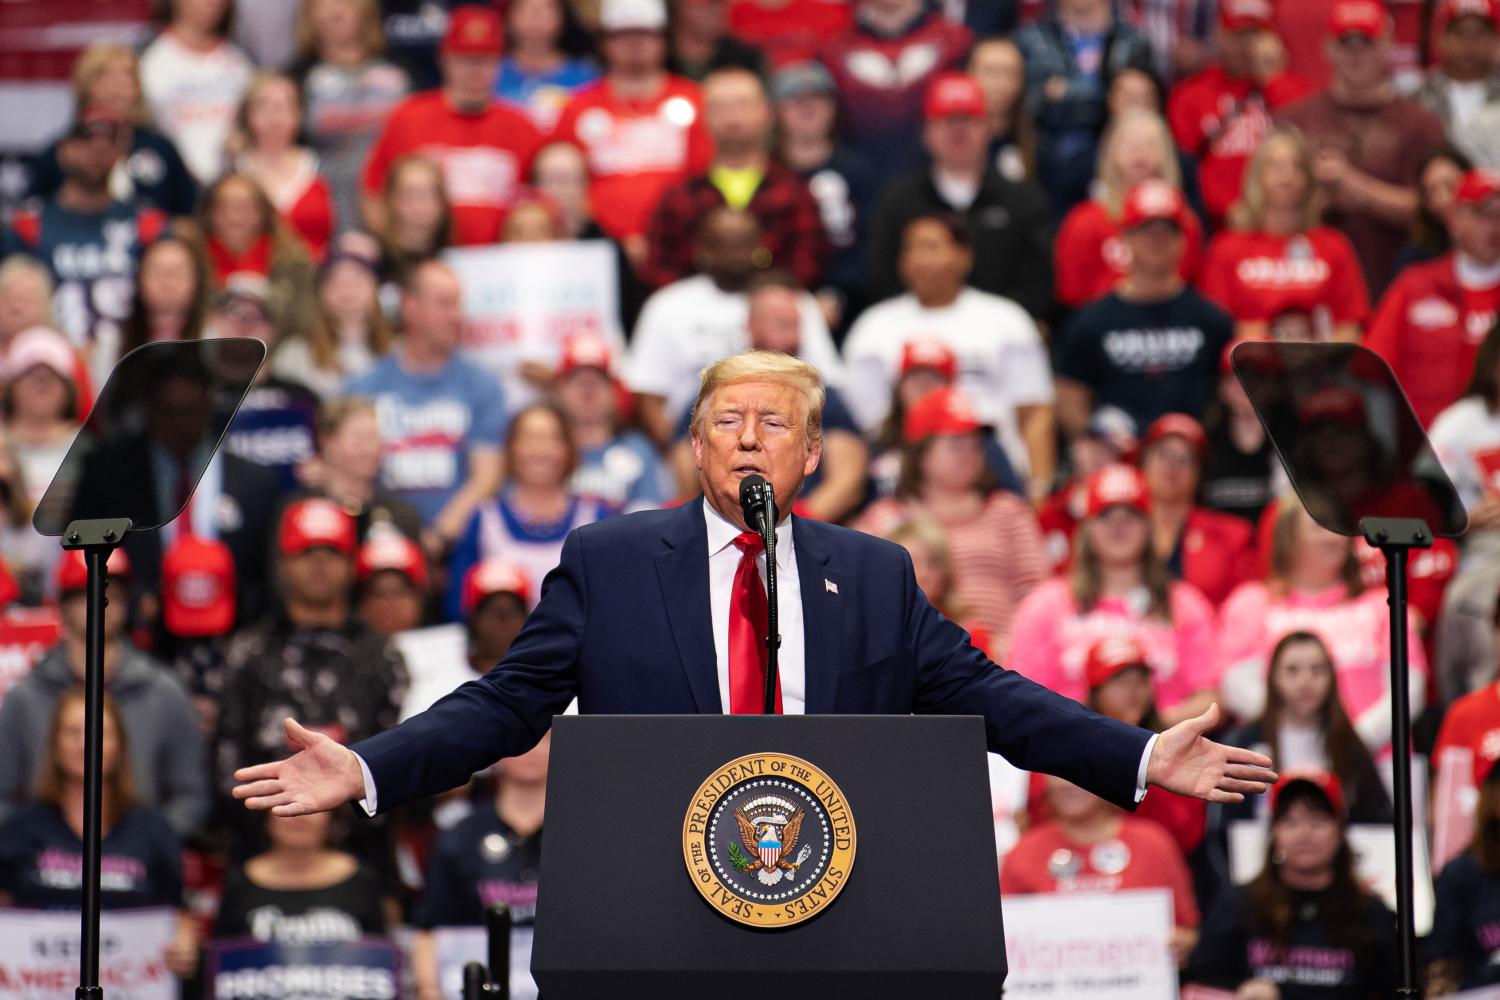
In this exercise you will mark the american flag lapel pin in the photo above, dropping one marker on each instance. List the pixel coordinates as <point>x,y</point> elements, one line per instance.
<point>830,586</point>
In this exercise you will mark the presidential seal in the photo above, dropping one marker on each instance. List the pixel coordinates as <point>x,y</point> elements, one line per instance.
<point>768,840</point>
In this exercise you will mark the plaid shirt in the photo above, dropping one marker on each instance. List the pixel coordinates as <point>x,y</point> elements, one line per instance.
<point>791,228</point>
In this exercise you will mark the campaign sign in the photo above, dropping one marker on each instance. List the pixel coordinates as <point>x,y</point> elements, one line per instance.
<point>25,634</point>
<point>522,303</point>
<point>1091,946</point>
<point>39,953</point>
<point>366,969</point>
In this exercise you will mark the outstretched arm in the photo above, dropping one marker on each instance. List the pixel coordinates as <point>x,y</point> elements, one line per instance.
<point>321,775</point>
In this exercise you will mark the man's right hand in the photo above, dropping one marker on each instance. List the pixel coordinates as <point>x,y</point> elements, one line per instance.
<point>321,775</point>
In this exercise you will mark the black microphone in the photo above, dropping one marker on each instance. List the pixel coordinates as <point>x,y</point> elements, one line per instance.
<point>758,501</point>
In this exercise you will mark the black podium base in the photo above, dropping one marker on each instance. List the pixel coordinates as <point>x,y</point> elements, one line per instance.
<point>618,914</point>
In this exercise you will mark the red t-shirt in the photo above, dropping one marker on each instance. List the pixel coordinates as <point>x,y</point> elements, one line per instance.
<point>1090,258</point>
<point>1257,276</point>
<point>484,157</point>
<point>790,32</point>
<point>1142,856</point>
<point>1473,723</point>
<point>310,214</point>
<point>636,148</point>
<point>1219,120</point>
<point>1218,552</point>
<point>1429,328</point>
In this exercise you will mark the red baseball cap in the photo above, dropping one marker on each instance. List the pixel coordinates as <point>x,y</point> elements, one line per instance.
<point>197,587</point>
<point>1111,655</point>
<point>495,576</point>
<point>1182,426</point>
<point>925,352</point>
<point>391,550</point>
<point>942,411</point>
<point>585,351</point>
<point>474,31</point>
<point>312,522</point>
<point>1358,17</point>
<point>1154,201</point>
<point>1451,10</point>
<point>1114,486</point>
<point>73,572</point>
<point>1324,781</point>
<point>1239,15</point>
<point>1477,187</point>
<point>950,95</point>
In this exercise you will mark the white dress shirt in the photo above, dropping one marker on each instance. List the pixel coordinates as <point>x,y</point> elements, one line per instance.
<point>723,561</point>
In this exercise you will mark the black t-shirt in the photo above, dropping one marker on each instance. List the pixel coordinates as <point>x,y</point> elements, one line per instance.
<point>1233,481</point>
<point>1147,358</point>
<point>1466,921</point>
<point>1309,966</point>
<point>41,861</point>
<point>476,864</point>
<point>340,912</point>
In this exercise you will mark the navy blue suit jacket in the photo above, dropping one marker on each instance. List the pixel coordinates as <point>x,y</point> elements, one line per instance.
<point>624,624</point>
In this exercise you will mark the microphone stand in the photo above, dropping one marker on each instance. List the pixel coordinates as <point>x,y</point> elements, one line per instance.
<point>773,626</point>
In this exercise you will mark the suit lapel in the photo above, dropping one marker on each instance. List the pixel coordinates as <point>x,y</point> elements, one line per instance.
<point>822,617</point>
<point>682,570</point>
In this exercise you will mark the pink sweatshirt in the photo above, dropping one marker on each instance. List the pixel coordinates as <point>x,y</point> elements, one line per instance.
<point>1356,632</point>
<point>1051,639</point>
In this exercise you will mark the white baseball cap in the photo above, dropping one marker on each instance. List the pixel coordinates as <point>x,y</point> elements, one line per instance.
<point>633,15</point>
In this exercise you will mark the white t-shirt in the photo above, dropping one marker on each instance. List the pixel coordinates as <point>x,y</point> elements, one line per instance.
<point>1466,437</point>
<point>690,324</point>
<point>193,96</point>
<point>1002,362</point>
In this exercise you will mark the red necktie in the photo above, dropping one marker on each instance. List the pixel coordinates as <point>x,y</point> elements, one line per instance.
<point>748,612</point>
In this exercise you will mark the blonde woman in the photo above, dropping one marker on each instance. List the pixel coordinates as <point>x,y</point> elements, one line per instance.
<point>268,125</point>
<point>106,75</point>
<point>1089,256</point>
<point>1276,257</point>
<point>348,89</point>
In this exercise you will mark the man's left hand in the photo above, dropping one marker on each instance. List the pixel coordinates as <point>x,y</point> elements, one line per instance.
<point>1188,763</point>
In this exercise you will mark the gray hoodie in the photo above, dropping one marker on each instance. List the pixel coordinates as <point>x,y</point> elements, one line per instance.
<point>170,765</point>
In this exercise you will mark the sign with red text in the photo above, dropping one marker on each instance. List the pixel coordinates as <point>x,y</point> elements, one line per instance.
<point>1090,946</point>
<point>39,954</point>
<point>523,302</point>
<point>25,634</point>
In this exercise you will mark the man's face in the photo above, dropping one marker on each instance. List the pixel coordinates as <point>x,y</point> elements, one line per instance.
<point>495,622</point>
<point>240,317</point>
<point>587,395</point>
<point>1476,230</point>
<point>726,249</point>
<point>736,112</point>
<point>808,115</point>
<point>775,321</point>
<point>318,576</point>
<point>433,311</point>
<point>24,302</point>
<point>74,607</point>
<point>390,603</point>
<point>87,159</point>
<point>932,262</point>
<point>701,18</point>
<point>1361,64</point>
<point>634,53</point>
<point>748,428</point>
<point>1467,48</point>
<point>957,142</point>
<point>1236,49</point>
<point>1155,247</point>
<point>470,79</point>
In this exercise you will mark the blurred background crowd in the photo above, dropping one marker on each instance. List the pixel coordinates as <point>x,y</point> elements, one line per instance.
<point>1018,237</point>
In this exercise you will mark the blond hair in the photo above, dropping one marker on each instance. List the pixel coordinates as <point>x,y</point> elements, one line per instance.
<point>764,366</point>
<point>1110,181</point>
<point>91,65</point>
<point>1249,212</point>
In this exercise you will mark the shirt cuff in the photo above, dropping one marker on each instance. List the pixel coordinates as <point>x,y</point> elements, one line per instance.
<point>1140,773</point>
<point>368,802</point>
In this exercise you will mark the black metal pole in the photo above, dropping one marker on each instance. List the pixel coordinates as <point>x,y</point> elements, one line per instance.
<point>1395,579</point>
<point>773,625</point>
<point>95,558</point>
<point>497,924</point>
<point>474,985</point>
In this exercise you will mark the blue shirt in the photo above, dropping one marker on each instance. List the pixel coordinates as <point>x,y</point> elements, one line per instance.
<point>626,473</point>
<point>543,95</point>
<point>429,422</point>
<point>41,861</point>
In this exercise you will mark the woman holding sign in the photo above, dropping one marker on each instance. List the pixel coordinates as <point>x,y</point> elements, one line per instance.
<point>41,847</point>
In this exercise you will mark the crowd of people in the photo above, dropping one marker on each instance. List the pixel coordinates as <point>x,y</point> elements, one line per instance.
<point>1017,238</point>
